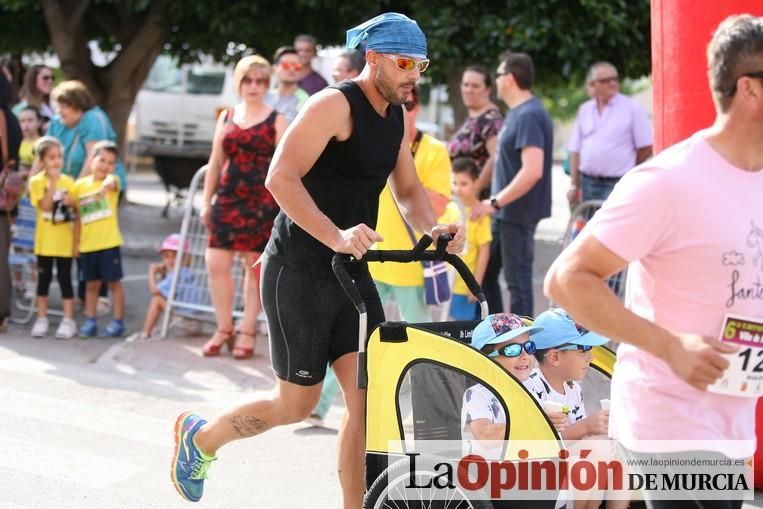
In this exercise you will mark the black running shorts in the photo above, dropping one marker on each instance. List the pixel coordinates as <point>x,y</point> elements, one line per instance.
<point>311,321</point>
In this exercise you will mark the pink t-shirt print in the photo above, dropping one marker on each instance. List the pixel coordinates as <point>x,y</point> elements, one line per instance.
<point>690,225</point>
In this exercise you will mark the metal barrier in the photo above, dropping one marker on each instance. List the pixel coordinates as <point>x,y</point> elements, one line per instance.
<point>578,219</point>
<point>189,295</point>
<point>23,264</point>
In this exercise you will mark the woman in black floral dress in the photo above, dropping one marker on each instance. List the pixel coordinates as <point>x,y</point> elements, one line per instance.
<point>238,210</point>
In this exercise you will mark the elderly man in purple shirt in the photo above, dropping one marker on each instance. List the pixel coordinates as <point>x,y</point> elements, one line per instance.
<point>612,134</point>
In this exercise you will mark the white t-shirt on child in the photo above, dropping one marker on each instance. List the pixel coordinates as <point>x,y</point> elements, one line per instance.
<point>572,397</point>
<point>480,403</point>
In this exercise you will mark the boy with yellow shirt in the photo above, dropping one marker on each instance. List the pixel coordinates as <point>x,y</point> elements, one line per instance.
<point>404,283</point>
<point>97,197</point>
<point>55,236</point>
<point>476,254</point>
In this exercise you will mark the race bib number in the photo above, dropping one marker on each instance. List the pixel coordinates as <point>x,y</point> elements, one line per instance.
<point>93,208</point>
<point>744,377</point>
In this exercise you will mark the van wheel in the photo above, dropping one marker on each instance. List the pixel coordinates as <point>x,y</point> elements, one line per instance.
<point>389,489</point>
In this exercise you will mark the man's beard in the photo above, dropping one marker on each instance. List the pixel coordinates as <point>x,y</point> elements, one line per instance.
<point>389,91</point>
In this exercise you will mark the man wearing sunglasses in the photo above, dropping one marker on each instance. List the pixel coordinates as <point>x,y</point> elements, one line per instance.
<point>684,223</point>
<point>327,173</point>
<point>521,186</point>
<point>287,98</point>
<point>612,134</point>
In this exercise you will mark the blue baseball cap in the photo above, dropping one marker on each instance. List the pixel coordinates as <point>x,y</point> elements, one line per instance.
<point>559,328</point>
<point>499,328</point>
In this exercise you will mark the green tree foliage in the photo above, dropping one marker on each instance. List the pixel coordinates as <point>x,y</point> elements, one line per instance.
<point>563,36</point>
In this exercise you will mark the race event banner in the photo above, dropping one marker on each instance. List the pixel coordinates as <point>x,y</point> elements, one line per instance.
<point>744,377</point>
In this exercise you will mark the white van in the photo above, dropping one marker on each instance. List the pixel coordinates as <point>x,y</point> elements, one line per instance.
<point>175,116</point>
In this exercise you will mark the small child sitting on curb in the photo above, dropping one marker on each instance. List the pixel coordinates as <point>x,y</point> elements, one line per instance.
<point>160,277</point>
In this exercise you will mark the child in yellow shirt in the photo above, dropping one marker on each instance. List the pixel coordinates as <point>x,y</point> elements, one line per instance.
<point>50,192</point>
<point>97,197</point>
<point>476,254</point>
<point>30,122</point>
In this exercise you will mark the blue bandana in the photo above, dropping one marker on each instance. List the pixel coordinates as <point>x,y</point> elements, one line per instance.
<point>390,33</point>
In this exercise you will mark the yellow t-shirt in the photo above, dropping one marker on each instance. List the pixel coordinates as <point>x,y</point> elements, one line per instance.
<point>26,152</point>
<point>477,233</point>
<point>99,228</point>
<point>433,169</point>
<point>52,239</point>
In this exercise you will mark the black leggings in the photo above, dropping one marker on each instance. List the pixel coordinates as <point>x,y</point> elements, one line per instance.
<point>45,275</point>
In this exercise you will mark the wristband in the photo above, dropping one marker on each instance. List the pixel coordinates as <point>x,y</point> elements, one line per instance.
<point>494,203</point>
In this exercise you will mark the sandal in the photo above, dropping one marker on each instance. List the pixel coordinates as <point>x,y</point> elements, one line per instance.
<point>212,348</point>
<point>243,352</point>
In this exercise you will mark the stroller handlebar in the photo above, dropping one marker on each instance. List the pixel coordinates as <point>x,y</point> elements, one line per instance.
<point>418,254</point>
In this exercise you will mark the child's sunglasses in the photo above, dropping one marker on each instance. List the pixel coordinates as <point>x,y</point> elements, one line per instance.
<point>514,349</point>
<point>408,64</point>
<point>573,346</point>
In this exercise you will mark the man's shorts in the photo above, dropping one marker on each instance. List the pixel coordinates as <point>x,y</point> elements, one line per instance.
<point>311,321</point>
<point>104,265</point>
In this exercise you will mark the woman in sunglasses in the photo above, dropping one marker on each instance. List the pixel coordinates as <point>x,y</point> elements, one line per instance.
<point>38,83</point>
<point>505,338</point>
<point>238,211</point>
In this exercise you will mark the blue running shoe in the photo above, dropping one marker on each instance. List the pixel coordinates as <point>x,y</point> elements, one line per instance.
<point>190,464</point>
<point>115,329</point>
<point>89,329</point>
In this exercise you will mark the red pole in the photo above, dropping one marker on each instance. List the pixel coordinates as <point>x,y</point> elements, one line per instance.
<point>681,30</point>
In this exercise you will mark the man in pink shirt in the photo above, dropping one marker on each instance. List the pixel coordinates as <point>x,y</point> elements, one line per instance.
<point>682,221</point>
<point>612,134</point>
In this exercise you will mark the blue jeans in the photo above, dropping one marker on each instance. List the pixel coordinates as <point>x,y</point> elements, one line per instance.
<point>596,188</point>
<point>518,250</point>
<point>490,285</point>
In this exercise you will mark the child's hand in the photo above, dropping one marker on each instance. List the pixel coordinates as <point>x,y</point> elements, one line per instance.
<point>598,423</point>
<point>66,199</point>
<point>53,174</point>
<point>559,420</point>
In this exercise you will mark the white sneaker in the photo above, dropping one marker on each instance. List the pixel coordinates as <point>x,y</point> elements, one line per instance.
<point>40,328</point>
<point>67,329</point>
<point>315,421</point>
<point>103,307</point>
<point>137,336</point>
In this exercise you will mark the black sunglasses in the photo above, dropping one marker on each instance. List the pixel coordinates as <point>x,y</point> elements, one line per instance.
<point>733,89</point>
<point>409,105</point>
<point>573,346</point>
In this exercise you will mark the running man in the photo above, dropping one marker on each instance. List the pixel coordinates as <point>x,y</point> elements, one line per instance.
<point>327,174</point>
<point>682,220</point>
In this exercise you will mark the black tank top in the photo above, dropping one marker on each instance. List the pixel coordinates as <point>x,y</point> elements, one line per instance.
<point>345,182</point>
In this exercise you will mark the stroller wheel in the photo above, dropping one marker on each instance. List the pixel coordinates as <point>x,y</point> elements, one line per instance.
<point>389,490</point>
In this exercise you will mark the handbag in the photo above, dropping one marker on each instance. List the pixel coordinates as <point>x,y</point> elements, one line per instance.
<point>11,187</point>
<point>11,181</point>
<point>436,283</point>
